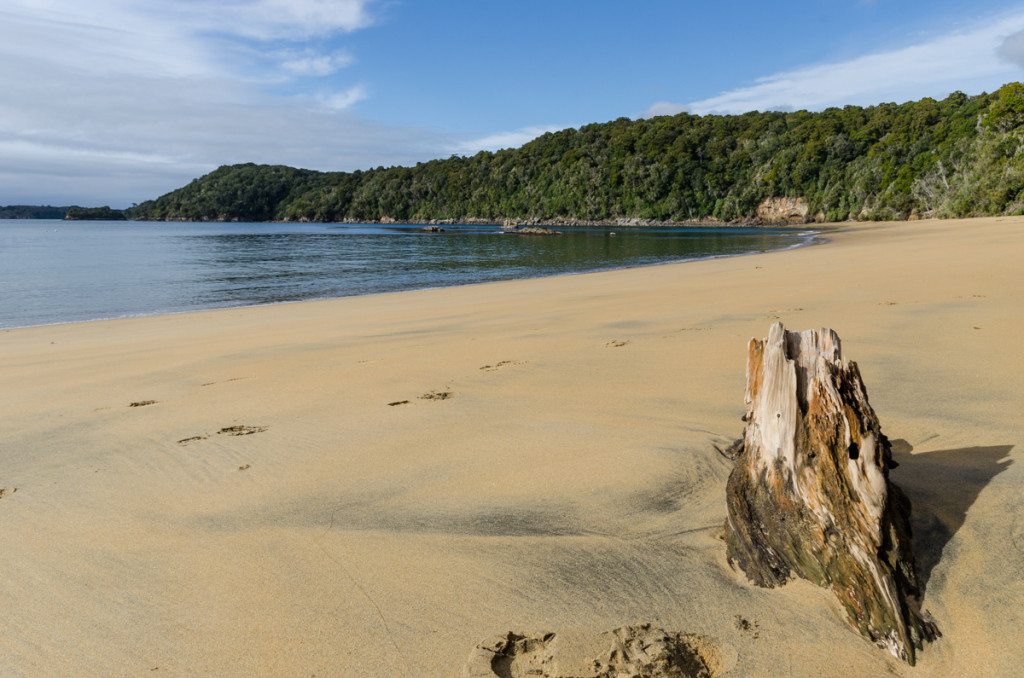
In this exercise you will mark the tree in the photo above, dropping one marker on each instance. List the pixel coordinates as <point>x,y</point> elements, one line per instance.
<point>1007,111</point>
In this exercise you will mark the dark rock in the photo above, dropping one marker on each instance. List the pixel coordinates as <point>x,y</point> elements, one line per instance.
<point>537,230</point>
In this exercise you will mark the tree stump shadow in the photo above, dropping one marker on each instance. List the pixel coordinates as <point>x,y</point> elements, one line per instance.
<point>942,487</point>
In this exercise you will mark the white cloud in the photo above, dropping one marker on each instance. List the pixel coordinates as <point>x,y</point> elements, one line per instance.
<point>176,37</point>
<point>273,19</point>
<point>494,142</point>
<point>114,101</point>
<point>665,108</point>
<point>107,41</point>
<point>965,60</point>
<point>339,101</point>
<point>137,141</point>
<point>255,19</point>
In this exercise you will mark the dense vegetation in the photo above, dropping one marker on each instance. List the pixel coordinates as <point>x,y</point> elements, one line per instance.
<point>961,156</point>
<point>32,212</point>
<point>104,213</point>
<point>73,212</point>
<point>237,193</point>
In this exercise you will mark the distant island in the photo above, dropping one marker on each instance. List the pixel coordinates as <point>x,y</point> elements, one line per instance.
<point>32,212</point>
<point>71,213</point>
<point>104,213</point>
<point>959,157</point>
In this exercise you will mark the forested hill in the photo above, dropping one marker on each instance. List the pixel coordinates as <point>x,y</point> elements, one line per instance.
<point>961,156</point>
<point>32,212</point>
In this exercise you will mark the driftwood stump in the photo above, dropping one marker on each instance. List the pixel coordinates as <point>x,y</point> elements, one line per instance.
<point>810,494</point>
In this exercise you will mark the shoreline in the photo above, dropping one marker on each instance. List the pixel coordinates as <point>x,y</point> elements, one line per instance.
<point>372,485</point>
<point>534,221</point>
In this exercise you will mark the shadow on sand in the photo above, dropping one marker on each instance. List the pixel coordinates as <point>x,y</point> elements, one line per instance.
<point>942,486</point>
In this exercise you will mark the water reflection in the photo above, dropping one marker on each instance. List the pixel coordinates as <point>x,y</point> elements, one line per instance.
<point>265,268</point>
<point>52,271</point>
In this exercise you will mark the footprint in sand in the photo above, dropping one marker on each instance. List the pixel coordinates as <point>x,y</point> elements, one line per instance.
<point>503,363</point>
<point>641,650</point>
<point>5,491</point>
<point>238,430</point>
<point>211,383</point>
<point>142,403</point>
<point>747,626</point>
<point>616,343</point>
<point>437,395</point>
<point>241,430</point>
<point>430,395</point>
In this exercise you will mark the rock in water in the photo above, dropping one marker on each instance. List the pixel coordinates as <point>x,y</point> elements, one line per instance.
<point>810,493</point>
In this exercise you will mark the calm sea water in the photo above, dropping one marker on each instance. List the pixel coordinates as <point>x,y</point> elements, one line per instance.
<point>57,271</point>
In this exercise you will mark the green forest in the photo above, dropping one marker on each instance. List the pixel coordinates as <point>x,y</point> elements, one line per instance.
<point>958,157</point>
<point>104,213</point>
<point>32,212</point>
<point>71,213</point>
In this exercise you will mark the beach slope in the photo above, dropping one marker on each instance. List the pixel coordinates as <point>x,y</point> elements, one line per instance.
<point>371,486</point>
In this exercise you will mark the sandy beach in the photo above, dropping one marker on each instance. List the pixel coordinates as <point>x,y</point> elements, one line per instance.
<point>371,486</point>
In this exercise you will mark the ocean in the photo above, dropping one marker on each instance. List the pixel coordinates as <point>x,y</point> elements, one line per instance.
<point>59,271</point>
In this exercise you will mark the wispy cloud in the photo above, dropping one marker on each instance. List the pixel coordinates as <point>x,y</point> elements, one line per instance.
<point>339,101</point>
<point>959,61</point>
<point>308,62</point>
<point>117,101</point>
<point>179,38</point>
<point>260,19</point>
<point>499,140</point>
<point>273,19</point>
<point>90,43</point>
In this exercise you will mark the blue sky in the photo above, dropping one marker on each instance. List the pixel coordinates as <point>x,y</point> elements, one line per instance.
<point>119,101</point>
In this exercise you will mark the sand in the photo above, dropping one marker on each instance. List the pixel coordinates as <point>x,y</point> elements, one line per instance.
<point>372,486</point>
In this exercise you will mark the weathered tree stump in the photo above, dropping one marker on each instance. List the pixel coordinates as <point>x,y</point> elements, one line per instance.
<point>810,494</point>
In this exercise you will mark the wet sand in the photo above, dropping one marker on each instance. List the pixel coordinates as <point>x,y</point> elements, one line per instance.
<point>372,486</point>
